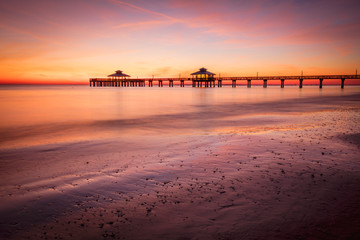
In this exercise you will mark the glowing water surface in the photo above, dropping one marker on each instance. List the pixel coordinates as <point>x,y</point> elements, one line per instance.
<point>66,113</point>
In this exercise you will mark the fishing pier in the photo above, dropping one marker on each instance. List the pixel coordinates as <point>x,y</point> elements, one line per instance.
<point>204,78</point>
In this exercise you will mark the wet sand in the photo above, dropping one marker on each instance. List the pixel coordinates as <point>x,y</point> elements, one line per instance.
<point>255,171</point>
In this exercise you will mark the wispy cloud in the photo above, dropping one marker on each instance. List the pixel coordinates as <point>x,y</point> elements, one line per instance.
<point>143,24</point>
<point>121,3</point>
<point>164,19</point>
<point>22,32</point>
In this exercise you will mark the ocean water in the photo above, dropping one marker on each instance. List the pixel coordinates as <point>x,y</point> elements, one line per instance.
<point>32,115</point>
<point>95,162</point>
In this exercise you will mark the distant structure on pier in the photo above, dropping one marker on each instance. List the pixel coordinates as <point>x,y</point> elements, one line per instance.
<point>117,79</point>
<point>118,75</point>
<point>203,76</point>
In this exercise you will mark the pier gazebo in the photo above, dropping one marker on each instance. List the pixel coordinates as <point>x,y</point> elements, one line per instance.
<point>117,79</point>
<point>118,75</point>
<point>203,75</point>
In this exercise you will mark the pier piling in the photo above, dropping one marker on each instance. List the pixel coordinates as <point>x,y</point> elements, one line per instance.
<point>233,83</point>
<point>265,83</point>
<point>249,83</point>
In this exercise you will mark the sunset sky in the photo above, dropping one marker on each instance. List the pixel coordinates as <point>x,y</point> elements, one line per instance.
<point>52,41</point>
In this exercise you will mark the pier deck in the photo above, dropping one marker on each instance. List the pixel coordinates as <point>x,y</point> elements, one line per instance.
<point>216,81</point>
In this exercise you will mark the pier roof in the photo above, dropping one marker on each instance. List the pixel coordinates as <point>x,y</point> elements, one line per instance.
<point>203,71</point>
<point>118,73</point>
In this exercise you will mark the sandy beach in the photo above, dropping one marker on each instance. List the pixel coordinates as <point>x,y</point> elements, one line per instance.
<point>273,170</point>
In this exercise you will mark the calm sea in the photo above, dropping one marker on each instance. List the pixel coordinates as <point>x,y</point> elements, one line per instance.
<point>33,115</point>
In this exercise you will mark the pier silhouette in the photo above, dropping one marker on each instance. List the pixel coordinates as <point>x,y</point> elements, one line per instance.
<point>204,78</point>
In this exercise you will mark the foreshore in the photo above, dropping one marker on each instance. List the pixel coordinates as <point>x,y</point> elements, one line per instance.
<point>261,171</point>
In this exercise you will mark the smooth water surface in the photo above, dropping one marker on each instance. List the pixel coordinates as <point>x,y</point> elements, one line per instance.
<point>73,112</point>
